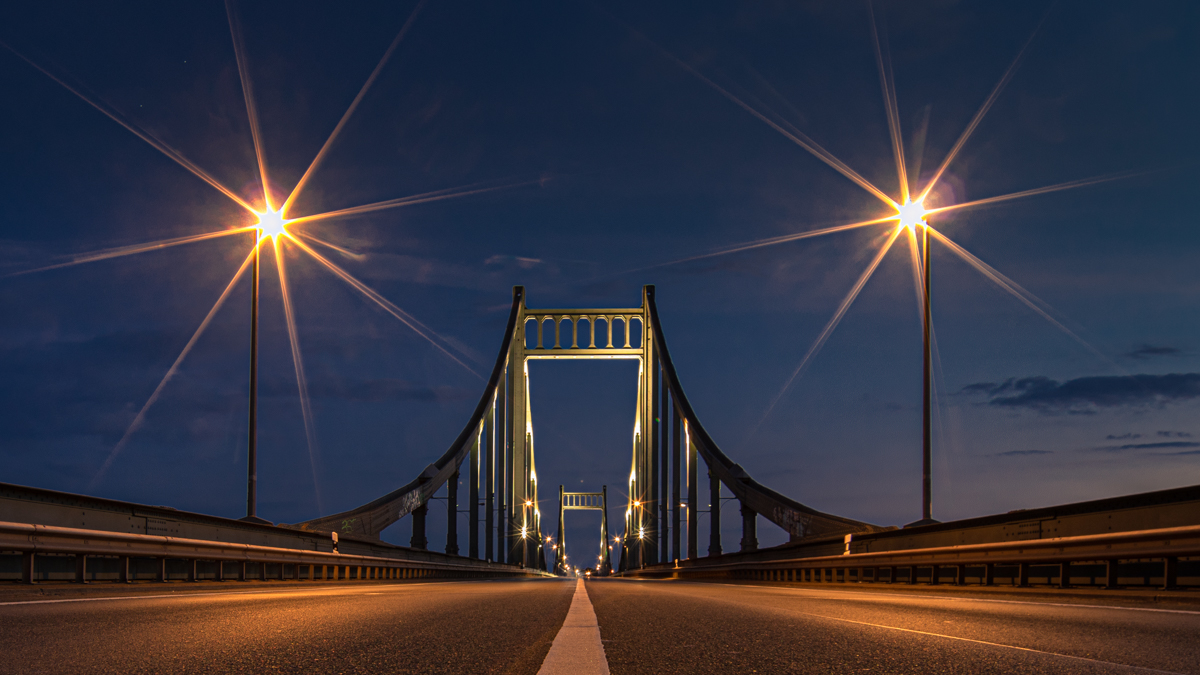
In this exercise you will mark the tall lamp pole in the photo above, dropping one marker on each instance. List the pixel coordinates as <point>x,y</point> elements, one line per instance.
<point>927,414</point>
<point>252,444</point>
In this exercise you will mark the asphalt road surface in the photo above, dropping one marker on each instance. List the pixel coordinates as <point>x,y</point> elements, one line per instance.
<point>645,627</point>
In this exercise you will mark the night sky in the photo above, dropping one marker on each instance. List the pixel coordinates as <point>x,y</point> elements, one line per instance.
<point>617,158</point>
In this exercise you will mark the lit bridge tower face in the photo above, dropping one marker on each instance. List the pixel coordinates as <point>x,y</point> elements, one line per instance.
<point>667,440</point>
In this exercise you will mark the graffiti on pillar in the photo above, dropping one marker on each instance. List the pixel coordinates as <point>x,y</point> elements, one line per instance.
<point>411,502</point>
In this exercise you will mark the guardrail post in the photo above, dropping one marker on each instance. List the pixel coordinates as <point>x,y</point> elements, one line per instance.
<point>1064,575</point>
<point>960,575</point>
<point>989,570</point>
<point>81,568</point>
<point>161,573</point>
<point>28,567</point>
<point>749,529</point>
<point>1170,572</point>
<point>123,571</point>
<point>242,571</point>
<point>933,575</point>
<point>1022,574</point>
<point>891,575</point>
<point>191,570</point>
<point>912,575</point>
<point>220,570</point>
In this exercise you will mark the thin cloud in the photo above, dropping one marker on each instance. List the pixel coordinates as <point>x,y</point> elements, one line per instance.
<point>1023,453</point>
<point>1146,351</point>
<point>1083,395</point>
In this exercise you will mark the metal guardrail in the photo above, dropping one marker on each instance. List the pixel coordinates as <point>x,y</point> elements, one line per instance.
<point>1166,545</point>
<point>33,541</point>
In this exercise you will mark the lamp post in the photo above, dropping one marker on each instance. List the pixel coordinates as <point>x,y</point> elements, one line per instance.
<point>927,412</point>
<point>252,441</point>
<point>252,445</point>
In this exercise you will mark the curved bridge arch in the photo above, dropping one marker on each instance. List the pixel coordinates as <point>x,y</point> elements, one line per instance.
<point>497,447</point>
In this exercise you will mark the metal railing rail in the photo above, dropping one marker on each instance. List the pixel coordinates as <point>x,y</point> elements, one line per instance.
<point>1165,544</point>
<point>32,540</point>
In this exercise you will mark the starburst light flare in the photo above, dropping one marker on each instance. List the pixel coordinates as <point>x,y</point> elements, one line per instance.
<point>273,225</point>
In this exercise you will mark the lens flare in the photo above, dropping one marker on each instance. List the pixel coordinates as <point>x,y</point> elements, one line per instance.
<point>911,214</point>
<point>271,224</point>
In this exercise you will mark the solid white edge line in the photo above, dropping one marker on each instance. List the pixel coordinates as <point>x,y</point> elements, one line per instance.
<point>991,644</point>
<point>955,598</point>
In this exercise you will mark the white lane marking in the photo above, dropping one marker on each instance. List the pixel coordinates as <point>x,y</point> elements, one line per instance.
<point>185,594</point>
<point>577,649</point>
<point>991,644</point>
<point>813,591</point>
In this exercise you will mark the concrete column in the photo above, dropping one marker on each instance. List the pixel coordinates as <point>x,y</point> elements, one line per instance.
<point>418,540</point>
<point>749,529</point>
<point>452,514</point>
<point>714,514</point>
<point>81,568</point>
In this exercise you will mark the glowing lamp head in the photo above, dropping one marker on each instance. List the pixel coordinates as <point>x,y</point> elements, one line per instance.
<point>271,224</point>
<point>912,214</point>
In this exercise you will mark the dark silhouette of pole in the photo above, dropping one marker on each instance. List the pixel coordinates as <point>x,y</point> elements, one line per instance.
<point>927,418</point>
<point>252,447</point>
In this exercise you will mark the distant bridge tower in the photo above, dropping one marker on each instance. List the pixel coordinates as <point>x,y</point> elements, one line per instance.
<point>583,501</point>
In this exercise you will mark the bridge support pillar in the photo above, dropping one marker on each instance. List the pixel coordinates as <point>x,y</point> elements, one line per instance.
<point>693,511</point>
<point>473,495</point>
<point>749,529</point>
<point>418,539</point>
<point>714,514</point>
<point>676,475</point>
<point>452,514</point>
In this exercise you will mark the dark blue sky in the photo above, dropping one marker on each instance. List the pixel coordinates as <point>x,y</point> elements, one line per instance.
<point>634,161</point>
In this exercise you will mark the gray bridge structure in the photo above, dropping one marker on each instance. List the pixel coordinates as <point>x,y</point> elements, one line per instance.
<point>497,446</point>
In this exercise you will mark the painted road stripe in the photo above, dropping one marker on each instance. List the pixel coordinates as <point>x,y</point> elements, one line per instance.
<point>577,649</point>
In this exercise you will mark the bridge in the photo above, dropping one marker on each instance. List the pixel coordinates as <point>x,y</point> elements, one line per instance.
<point>1009,592</point>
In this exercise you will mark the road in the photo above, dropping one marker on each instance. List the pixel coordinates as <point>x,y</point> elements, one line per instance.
<point>644,626</point>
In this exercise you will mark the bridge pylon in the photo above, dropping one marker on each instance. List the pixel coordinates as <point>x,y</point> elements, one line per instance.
<point>668,441</point>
